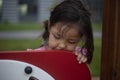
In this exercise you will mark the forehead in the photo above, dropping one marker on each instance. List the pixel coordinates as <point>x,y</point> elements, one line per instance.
<point>63,26</point>
<point>66,29</point>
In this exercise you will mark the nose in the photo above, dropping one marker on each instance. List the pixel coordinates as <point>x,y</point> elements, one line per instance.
<point>62,45</point>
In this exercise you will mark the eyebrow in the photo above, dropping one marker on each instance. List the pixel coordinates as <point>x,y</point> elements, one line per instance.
<point>55,33</point>
<point>74,39</point>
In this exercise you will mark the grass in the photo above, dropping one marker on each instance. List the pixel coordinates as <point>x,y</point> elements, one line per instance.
<point>14,45</point>
<point>6,26</point>
<point>95,65</point>
<point>21,26</point>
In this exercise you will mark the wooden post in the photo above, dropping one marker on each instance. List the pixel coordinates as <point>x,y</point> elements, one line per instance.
<point>110,61</point>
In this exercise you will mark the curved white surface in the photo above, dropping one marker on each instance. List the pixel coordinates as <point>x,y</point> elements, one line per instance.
<point>14,70</point>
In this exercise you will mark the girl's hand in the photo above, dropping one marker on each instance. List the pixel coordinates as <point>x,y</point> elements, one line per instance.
<point>80,57</point>
<point>30,50</point>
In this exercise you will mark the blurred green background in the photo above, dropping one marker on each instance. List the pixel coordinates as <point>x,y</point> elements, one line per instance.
<point>25,15</point>
<point>23,44</point>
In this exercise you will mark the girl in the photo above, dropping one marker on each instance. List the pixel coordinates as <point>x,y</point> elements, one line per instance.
<point>69,25</point>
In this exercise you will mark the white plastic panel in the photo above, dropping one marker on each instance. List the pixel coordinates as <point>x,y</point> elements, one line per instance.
<point>14,70</point>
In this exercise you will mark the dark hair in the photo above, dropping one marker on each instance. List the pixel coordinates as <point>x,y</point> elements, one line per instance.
<point>73,11</point>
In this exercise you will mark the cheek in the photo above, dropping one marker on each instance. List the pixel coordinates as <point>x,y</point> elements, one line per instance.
<point>52,43</point>
<point>71,47</point>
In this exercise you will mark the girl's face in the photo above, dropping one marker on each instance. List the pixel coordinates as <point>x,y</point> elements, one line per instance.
<point>63,37</point>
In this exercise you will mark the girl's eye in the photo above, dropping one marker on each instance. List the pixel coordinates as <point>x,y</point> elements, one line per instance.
<point>71,42</point>
<point>57,36</point>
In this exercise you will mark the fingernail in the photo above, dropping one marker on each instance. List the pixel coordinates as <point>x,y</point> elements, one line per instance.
<point>79,62</point>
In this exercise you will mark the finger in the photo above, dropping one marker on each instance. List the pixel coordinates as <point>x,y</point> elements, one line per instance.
<point>29,49</point>
<point>79,62</point>
<point>76,53</point>
<point>79,57</point>
<point>83,59</point>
